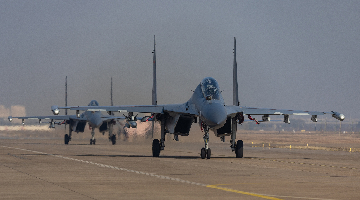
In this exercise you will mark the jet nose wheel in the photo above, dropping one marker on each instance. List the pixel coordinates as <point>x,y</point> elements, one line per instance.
<point>205,153</point>
<point>92,141</point>
<point>208,153</point>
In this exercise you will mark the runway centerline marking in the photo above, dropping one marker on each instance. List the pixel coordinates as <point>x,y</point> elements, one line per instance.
<point>264,196</point>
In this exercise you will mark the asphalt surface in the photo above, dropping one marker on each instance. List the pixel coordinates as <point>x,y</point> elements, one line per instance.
<point>41,168</point>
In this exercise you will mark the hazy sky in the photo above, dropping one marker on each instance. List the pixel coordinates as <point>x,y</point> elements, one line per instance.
<point>291,54</point>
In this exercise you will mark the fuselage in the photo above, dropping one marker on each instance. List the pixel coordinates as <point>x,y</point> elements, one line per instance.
<point>93,117</point>
<point>209,103</point>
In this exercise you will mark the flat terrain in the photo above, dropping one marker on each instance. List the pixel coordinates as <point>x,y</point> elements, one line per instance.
<point>317,166</point>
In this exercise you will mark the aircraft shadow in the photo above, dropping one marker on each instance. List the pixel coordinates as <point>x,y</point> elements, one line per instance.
<point>55,144</point>
<point>140,156</point>
<point>149,156</point>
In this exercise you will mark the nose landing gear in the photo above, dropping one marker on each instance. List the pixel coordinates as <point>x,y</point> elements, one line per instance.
<point>92,140</point>
<point>206,151</point>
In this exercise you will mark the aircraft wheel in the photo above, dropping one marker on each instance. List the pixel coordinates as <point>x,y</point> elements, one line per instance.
<point>92,141</point>
<point>203,153</point>
<point>239,149</point>
<point>66,139</point>
<point>113,139</point>
<point>156,148</point>
<point>208,153</point>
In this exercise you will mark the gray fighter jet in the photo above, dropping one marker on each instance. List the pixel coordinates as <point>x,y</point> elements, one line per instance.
<point>206,107</point>
<point>78,122</point>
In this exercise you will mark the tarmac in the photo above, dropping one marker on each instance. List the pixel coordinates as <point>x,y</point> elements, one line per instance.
<point>45,168</point>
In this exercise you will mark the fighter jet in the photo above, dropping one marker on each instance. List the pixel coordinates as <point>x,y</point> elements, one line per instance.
<point>206,107</point>
<point>78,122</point>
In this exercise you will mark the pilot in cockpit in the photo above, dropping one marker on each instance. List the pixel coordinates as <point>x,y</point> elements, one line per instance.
<point>210,88</point>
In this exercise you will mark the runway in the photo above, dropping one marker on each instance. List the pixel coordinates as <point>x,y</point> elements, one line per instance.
<point>47,169</point>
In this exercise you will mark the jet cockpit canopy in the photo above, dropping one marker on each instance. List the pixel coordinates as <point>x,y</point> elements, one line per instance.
<point>93,103</point>
<point>210,88</point>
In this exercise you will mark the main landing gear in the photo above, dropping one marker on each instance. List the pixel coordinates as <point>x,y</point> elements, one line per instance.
<point>112,137</point>
<point>239,149</point>
<point>206,151</point>
<point>237,146</point>
<point>157,145</point>
<point>67,137</point>
<point>156,148</point>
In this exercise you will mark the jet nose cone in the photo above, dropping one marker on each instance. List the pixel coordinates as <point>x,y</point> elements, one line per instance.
<point>214,115</point>
<point>96,122</point>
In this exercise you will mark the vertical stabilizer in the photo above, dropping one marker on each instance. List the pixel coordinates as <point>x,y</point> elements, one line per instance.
<point>154,96</point>
<point>235,82</point>
<point>111,93</point>
<point>66,95</point>
<point>65,98</point>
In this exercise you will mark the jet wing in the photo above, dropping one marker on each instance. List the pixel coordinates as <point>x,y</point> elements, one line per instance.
<point>269,111</point>
<point>64,107</point>
<point>142,109</point>
<point>232,110</point>
<point>53,117</point>
<point>50,117</point>
<point>106,117</point>
<point>177,108</point>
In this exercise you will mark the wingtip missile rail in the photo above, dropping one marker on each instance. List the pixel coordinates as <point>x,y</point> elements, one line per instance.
<point>338,116</point>
<point>55,110</point>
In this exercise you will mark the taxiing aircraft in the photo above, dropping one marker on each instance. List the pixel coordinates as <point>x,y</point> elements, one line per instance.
<point>78,122</point>
<point>206,106</point>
